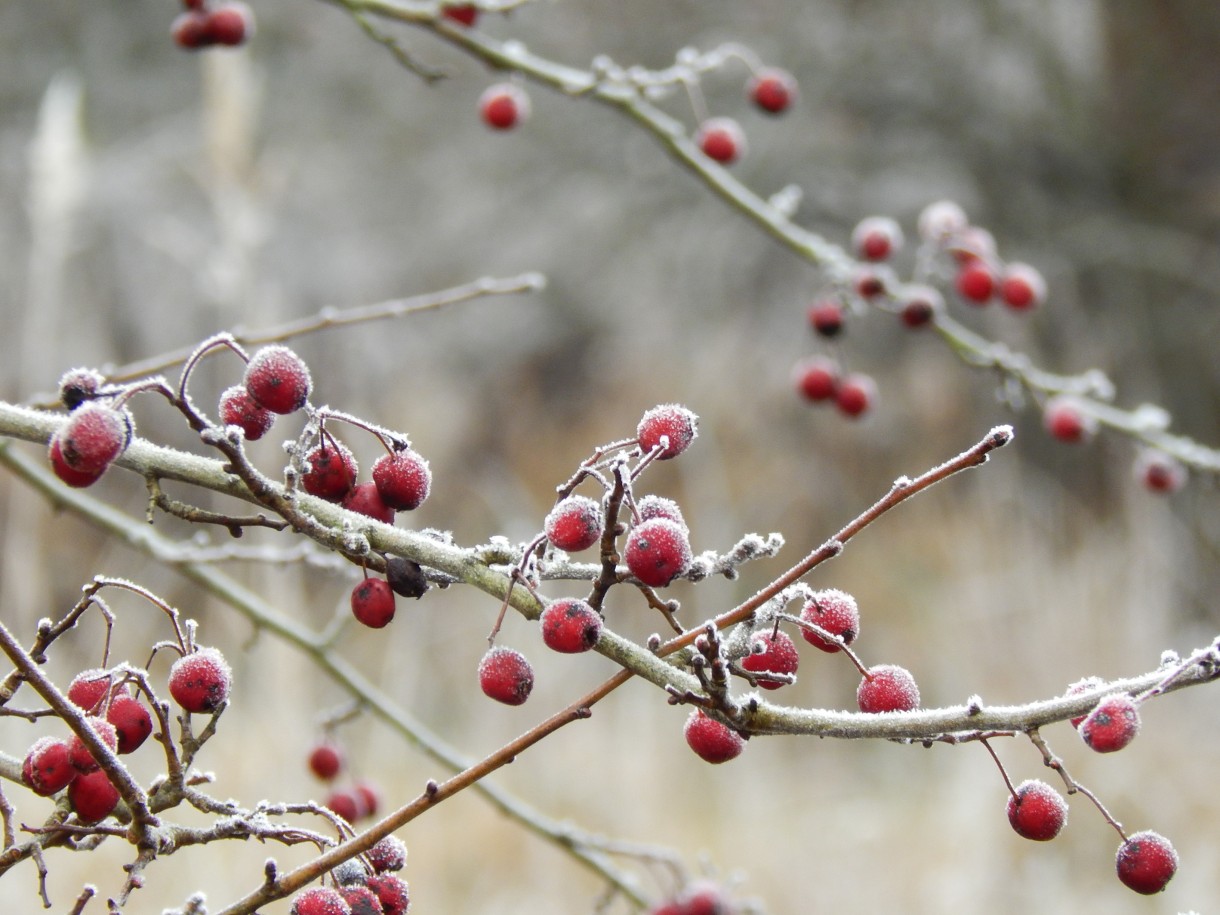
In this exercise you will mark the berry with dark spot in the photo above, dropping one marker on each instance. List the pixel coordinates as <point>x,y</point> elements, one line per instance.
<point>89,687</point>
<point>132,721</point>
<point>406,577</point>
<point>372,602</point>
<point>570,625</point>
<point>278,379</point>
<point>93,436</point>
<point>657,551</point>
<point>674,424</point>
<point>574,524</point>
<point>1083,686</point>
<point>1146,862</point>
<point>78,386</point>
<point>331,471</point>
<point>47,767</point>
<point>200,681</point>
<point>826,317</point>
<point>1112,725</point>
<point>836,612</point>
<point>389,854</point>
<point>361,900</point>
<point>1159,472</point>
<point>393,893</point>
<point>77,479</point>
<point>92,796</point>
<point>506,676</point>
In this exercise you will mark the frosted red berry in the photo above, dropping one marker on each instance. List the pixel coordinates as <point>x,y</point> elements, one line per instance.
<point>89,687</point>
<point>365,499</point>
<point>1083,686</point>
<point>721,139</point>
<point>361,900</point>
<point>403,479</point>
<point>712,740</point>
<point>93,436</point>
<point>836,612</point>
<point>132,721</point>
<point>238,408</point>
<point>1022,287</point>
<point>887,688</point>
<point>1037,811</point>
<point>975,282</point>
<point>574,524</point>
<point>47,767</point>
<point>230,23</point>
<point>816,379</point>
<point>771,652</point>
<point>465,13</point>
<point>826,317</point>
<point>506,676</point>
<point>570,625</point>
<point>1146,862</point>
<point>319,900</point>
<point>278,379</point>
<point>326,760</point>
<point>705,898</point>
<point>393,893</point>
<point>1065,420</point>
<point>330,471</point>
<point>672,422</point>
<point>657,551</point>
<point>92,796</point>
<point>876,238</point>
<point>78,479</point>
<point>1159,472</point>
<point>654,506</point>
<point>1112,725</point>
<point>79,386</point>
<point>504,106</point>
<point>772,89</point>
<point>868,283</point>
<point>200,681</point>
<point>80,755</point>
<point>920,305</point>
<point>372,602</point>
<point>389,854</point>
<point>189,30</point>
<point>345,804</point>
<point>855,395</point>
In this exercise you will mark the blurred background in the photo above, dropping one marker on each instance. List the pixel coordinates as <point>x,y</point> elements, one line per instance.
<point>150,197</point>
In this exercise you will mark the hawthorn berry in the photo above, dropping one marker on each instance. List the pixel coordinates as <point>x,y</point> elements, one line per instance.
<point>93,436</point>
<point>868,283</point>
<point>506,676</point>
<point>345,804</point>
<point>657,551</point>
<point>189,30</point>
<point>231,23</point>
<point>721,139</point>
<point>1022,287</point>
<point>1159,472</point>
<point>816,378</point>
<point>1146,862</point>
<point>975,282</point>
<point>78,479</point>
<point>504,106</point>
<point>361,900</point>
<point>403,479</point>
<point>712,740</point>
<point>373,602</point>
<point>570,625</point>
<point>836,612</point>
<point>772,89</point>
<point>855,394</point>
<point>389,854</point>
<point>465,13</point>
<point>771,652</point>
<point>200,681</point>
<point>673,422</point>
<point>366,500</point>
<point>887,688</point>
<point>876,238</point>
<point>319,900</point>
<point>654,506</point>
<point>920,305</point>
<point>89,687</point>
<point>331,471</point>
<point>1064,419</point>
<point>92,796</point>
<point>1037,811</point>
<point>78,386</point>
<point>574,524</point>
<point>278,379</point>
<point>826,317</point>
<point>393,893</point>
<point>1112,724</point>
<point>132,722</point>
<point>326,760</point>
<point>1083,686</point>
<point>238,408</point>
<point>80,755</point>
<point>47,767</point>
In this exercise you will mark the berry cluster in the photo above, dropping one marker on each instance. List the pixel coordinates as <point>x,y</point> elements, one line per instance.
<point>358,800</point>
<point>203,24</point>
<point>362,887</point>
<point>702,897</point>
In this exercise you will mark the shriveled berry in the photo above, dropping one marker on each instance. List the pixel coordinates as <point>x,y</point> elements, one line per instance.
<point>855,395</point>
<point>570,625</point>
<point>1146,862</point>
<point>361,900</point>
<point>887,688</point>
<point>350,872</point>
<point>506,676</point>
<point>1159,472</point>
<point>372,602</point>
<point>816,378</point>
<point>89,687</point>
<point>975,282</point>
<point>200,681</point>
<point>677,425</point>
<point>92,796</point>
<point>721,139</point>
<point>657,551</point>
<point>826,317</point>
<point>93,436</point>
<point>389,854</point>
<point>319,900</point>
<point>403,479</point>
<point>326,760</point>
<point>876,238</point>
<point>1112,725</point>
<point>771,652</point>
<point>78,386</point>
<point>836,612</point>
<point>1083,686</point>
<point>393,893</point>
<point>346,804</point>
<point>1022,287</point>
<point>1065,420</point>
<point>654,506</point>
<point>47,767</point>
<point>331,471</point>
<point>1037,811</point>
<point>772,89</point>
<point>504,106</point>
<point>712,740</point>
<point>366,500</point>
<point>78,479</point>
<point>132,721</point>
<point>574,524</point>
<point>920,305</point>
<point>238,408</point>
<point>278,379</point>
<point>230,23</point>
<point>406,577</point>
<point>465,13</point>
<point>81,755</point>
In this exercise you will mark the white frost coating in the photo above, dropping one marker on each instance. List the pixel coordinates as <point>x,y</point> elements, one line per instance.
<point>1170,658</point>
<point>787,199</point>
<point>1149,417</point>
<point>1100,384</point>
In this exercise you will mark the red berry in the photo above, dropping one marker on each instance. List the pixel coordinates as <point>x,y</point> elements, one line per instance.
<point>868,283</point>
<point>975,282</point>
<point>200,681</point>
<point>771,653</point>
<point>504,106</point>
<point>465,13</point>
<point>326,760</point>
<point>1159,472</point>
<point>941,221</point>
<point>654,506</point>
<point>721,139</point>
<point>920,305</point>
<point>570,625</point>
<point>574,524</point>
<point>506,676</point>
<point>237,408</point>
<point>1112,725</point>
<point>388,855</point>
<point>345,804</point>
<point>826,317</point>
<point>1083,686</point>
<point>132,721</point>
<point>92,796</point>
<point>876,238</point>
<point>1022,287</point>
<point>887,688</point>
<point>78,386</point>
<point>93,436</point>
<point>1146,862</point>
<point>366,500</point>
<point>361,900</point>
<point>816,378</point>
<point>1064,419</point>
<point>319,900</point>
<point>393,893</point>
<point>712,740</point>
<point>78,479</point>
<point>669,421</point>
<point>230,23</point>
<point>772,89</point>
<point>89,687</point>
<point>370,798</point>
<point>836,612</point>
<point>373,602</point>
<point>403,479</point>
<point>1037,811</point>
<point>47,767</point>
<point>331,471</point>
<point>80,755</point>
<point>190,30</point>
<point>704,898</point>
<point>278,379</point>
<point>657,551</point>
<point>855,395</point>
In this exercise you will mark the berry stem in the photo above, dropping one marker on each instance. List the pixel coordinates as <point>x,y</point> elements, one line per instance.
<point>1003,772</point>
<point>1073,787</point>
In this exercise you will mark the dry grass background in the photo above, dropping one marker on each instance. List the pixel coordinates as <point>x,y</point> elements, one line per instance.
<point>196,193</point>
